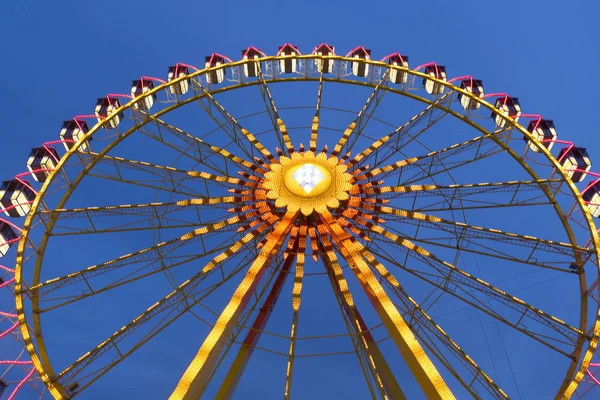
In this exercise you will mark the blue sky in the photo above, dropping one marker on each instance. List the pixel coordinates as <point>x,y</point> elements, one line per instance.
<point>58,57</point>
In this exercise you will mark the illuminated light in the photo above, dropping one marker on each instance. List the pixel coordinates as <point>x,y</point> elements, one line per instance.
<point>308,176</point>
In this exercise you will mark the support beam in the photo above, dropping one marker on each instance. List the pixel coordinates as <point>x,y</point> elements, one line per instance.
<point>424,371</point>
<point>194,380</point>
<point>382,370</point>
<point>245,352</point>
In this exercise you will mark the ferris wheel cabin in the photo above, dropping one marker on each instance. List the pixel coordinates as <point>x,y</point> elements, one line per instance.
<point>7,237</point>
<point>15,197</point>
<point>106,107</point>
<point>290,64</point>
<point>138,88</point>
<point>591,196</point>
<point>213,61</point>
<point>360,68</point>
<point>473,86</point>
<point>251,69</point>
<point>509,107</point>
<point>41,162</point>
<point>178,71</point>
<point>438,72</point>
<point>72,131</point>
<point>324,66</point>
<point>398,60</point>
<point>543,130</point>
<point>576,162</point>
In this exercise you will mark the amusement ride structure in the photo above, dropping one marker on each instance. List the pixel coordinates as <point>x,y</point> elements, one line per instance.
<point>231,226</point>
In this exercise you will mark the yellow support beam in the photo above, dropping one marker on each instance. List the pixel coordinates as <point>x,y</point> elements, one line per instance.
<point>385,377</point>
<point>424,371</point>
<point>194,380</point>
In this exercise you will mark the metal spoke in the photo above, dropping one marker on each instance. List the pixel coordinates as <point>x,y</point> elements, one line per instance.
<point>460,231</point>
<point>456,196</point>
<point>195,378</point>
<point>231,126</point>
<point>356,127</point>
<point>278,272</point>
<point>314,134</point>
<point>473,245</point>
<point>185,295</point>
<point>522,316</point>
<point>137,209</point>
<point>196,149</point>
<point>172,179</point>
<point>158,250</point>
<point>297,246</point>
<point>432,336</point>
<point>369,355</point>
<point>165,264</point>
<point>419,363</point>
<point>393,143</point>
<point>140,217</point>
<point>432,164</point>
<point>246,350</point>
<point>278,127</point>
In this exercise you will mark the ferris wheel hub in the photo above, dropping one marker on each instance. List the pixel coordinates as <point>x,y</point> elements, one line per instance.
<point>308,182</point>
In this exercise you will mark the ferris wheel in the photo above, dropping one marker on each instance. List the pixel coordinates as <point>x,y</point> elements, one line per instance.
<point>283,217</point>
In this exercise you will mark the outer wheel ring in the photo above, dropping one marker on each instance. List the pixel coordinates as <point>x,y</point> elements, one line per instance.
<point>42,362</point>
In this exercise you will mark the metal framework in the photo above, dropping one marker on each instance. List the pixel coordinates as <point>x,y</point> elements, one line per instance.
<point>251,207</point>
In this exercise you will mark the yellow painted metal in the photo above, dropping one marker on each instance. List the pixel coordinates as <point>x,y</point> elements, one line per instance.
<point>394,282</point>
<point>251,138</point>
<point>179,203</point>
<point>217,150</point>
<point>435,219</point>
<point>240,362</point>
<point>194,379</point>
<point>314,134</point>
<point>385,377</point>
<point>286,136</point>
<point>296,292</point>
<point>190,235</point>
<point>42,363</point>
<point>424,371</point>
<point>378,143</point>
<point>338,147</point>
<point>116,336</point>
<point>425,253</point>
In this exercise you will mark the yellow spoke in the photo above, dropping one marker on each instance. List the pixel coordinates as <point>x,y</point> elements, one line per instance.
<point>314,134</point>
<point>278,126</point>
<point>133,209</point>
<point>363,117</point>
<point>205,150</point>
<point>426,374</point>
<point>246,350</point>
<point>493,234</point>
<point>524,313</point>
<point>114,264</point>
<point>183,293</point>
<point>425,320</point>
<point>296,292</point>
<point>194,380</point>
<point>386,381</point>
<point>237,128</point>
<point>399,134</point>
<point>434,158</point>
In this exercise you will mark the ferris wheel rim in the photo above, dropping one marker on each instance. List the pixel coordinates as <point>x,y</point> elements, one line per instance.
<point>43,369</point>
